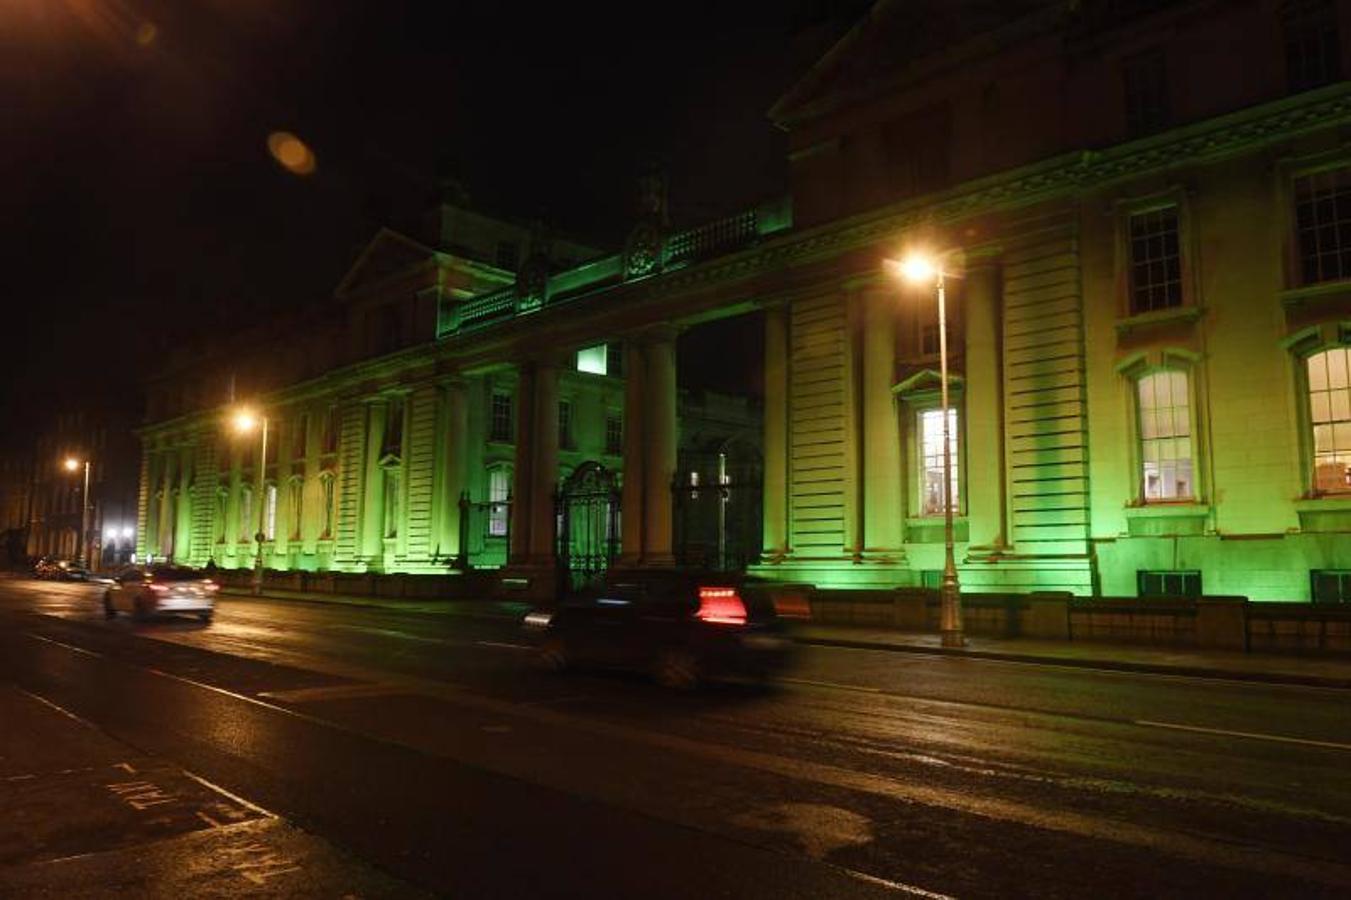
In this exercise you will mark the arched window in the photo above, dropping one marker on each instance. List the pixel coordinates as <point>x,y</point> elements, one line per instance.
<point>1329,374</point>
<point>1165,435</point>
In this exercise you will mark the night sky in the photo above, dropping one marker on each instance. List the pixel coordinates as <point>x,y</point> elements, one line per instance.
<point>143,207</point>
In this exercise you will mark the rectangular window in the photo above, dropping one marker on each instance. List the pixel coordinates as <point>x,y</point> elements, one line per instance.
<point>499,492</point>
<point>1312,46</point>
<point>393,442</point>
<point>499,425</point>
<point>1165,437</point>
<point>931,461</point>
<point>614,435</point>
<point>270,512</point>
<point>330,437</point>
<point>1330,586</point>
<point>300,431</point>
<point>1168,583</point>
<point>1145,79</point>
<point>392,500</point>
<point>326,486</point>
<point>297,507</point>
<point>565,424</point>
<point>1323,226</point>
<point>508,253</point>
<point>1155,260</point>
<point>593,360</point>
<point>1329,375</point>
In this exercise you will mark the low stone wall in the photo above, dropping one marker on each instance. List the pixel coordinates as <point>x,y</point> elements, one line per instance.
<point>1219,623</point>
<point>468,586</point>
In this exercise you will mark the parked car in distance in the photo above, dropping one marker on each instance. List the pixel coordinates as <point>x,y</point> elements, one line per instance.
<point>60,569</point>
<point>682,627</point>
<point>146,591</point>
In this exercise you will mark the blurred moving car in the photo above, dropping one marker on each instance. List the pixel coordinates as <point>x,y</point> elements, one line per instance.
<point>146,591</point>
<point>682,627</point>
<point>60,569</point>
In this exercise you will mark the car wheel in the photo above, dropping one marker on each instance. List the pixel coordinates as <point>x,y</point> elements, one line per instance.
<point>553,655</point>
<point>677,670</point>
<point>108,611</point>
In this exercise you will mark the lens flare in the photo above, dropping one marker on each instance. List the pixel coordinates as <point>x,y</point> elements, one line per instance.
<point>291,153</point>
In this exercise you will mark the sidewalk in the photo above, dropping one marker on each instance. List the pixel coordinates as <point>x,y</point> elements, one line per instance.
<point>1316,671</point>
<point>1269,668</point>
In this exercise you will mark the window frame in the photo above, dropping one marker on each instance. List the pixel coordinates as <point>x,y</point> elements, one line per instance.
<point>1307,444</point>
<point>505,470</point>
<point>1138,443</point>
<point>508,434</point>
<point>1298,86</point>
<point>914,403</point>
<point>1126,211</point>
<point>1294,256</point>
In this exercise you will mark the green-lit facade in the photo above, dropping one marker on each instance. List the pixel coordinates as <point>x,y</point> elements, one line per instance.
<point>1148,222</point>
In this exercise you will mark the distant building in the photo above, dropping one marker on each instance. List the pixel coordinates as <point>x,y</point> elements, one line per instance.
<point>1144,212</point>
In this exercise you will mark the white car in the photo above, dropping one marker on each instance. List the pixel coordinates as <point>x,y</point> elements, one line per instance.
<point>146,591</point>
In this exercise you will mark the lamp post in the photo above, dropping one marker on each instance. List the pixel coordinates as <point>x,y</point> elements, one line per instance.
<point>81,540</point>
<point>245,421</point>
<point>919,269</point>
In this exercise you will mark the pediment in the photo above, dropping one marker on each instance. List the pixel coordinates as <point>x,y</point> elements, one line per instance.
<point>388,254</point>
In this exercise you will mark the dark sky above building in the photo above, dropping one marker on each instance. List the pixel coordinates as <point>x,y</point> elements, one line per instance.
<point>142,205</point>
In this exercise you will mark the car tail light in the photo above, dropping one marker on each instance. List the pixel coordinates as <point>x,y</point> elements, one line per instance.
<point>210,585</point>
<point>722,605</point>
<point>792,606</point>
<point>159,588</point>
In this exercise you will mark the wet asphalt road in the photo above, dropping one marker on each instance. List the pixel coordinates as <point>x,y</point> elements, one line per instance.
<point>299,749</point>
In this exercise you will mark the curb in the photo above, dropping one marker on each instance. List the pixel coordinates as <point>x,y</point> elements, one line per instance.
<point>1112,665</point>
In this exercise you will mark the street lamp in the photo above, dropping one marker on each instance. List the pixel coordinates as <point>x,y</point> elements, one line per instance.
<point>73,465</point>
<point>246,420</point>
<point>921,269</point>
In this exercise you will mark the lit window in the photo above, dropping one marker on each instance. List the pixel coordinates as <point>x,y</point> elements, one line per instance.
<point>499,492</point>
<point>1330,415</point>
<point>270,512</point>
<point>1323,226</point>
<point>1312,52</point>
<point>931,461</point>
<point>1165,437</point>
<point>1156,263</point>
<point>1144,77</point>
<point>500,422</point>
<point>593,359</point>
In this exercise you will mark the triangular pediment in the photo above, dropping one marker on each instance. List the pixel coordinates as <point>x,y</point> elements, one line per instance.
<point>388,254</point>
<point>889,44</point>
<point>925,381</point>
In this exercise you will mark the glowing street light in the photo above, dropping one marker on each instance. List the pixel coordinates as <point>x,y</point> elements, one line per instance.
<point>246,420</point>
<point>73,465</point>
<point>921,269</point>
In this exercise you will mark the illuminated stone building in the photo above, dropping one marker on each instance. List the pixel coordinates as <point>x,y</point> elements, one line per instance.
<point>1146,215</point>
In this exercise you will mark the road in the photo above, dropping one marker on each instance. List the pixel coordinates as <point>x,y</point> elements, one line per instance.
<point>308,749</point>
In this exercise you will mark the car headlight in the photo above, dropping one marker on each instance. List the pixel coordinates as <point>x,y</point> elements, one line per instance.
<point>538,620</point>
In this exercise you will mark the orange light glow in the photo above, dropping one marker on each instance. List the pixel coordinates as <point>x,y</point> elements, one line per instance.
<point>291,153</point>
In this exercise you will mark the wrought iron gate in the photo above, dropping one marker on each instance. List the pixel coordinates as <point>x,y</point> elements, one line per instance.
<point>718,514</point>
<point>587,513</point>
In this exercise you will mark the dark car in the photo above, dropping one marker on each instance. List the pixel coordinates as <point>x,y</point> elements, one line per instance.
<point>682,627</point>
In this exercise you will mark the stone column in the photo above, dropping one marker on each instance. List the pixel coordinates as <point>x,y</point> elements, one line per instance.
<point>631,499</point>
<point>454,468</point>
<point>544,468</point>
<point>522,478</point>
<point>776,434</point>
<point>852,420</point>
<point>883,515</point>
<point>986,496</point>
<point>660,438</point>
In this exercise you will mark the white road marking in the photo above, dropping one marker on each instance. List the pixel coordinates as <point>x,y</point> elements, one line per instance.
<point>235,797</point>
<point>71,647</point>
<point>61,709</point>
<point>1199,729</point>
<point>504,646</point>
<point>901,887</point>
<point>332,692</point>
<point>862,689</point>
